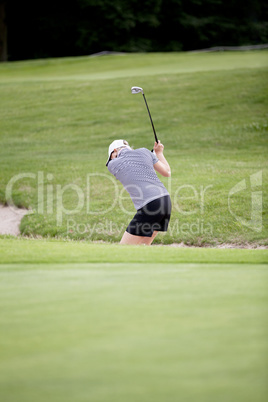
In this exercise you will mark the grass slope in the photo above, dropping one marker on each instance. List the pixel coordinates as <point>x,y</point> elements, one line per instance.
<point>210,110</point>
<point>57,251</point>
<point>129,65</point>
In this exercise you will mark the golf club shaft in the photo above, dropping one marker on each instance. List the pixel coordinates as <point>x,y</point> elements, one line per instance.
<point>156,139</point>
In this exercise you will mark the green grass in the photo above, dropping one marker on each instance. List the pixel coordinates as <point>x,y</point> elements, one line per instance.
<point>129,65</point>
<point>128,332</point>
<point>84,321</point>
<point>210,110</point>
<point>103,322</point>
<point>49,251</point>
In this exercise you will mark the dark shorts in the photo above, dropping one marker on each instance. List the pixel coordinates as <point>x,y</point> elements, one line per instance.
<point>153,216</point>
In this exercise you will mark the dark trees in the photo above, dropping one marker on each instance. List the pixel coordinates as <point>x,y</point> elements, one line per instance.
<point>55,28</point>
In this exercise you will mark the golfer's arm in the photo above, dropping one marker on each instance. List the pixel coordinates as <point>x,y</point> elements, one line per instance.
<point>162,165</point>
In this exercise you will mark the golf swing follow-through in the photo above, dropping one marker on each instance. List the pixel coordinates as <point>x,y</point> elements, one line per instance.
<point>137,90</point>
<point>136,170</point>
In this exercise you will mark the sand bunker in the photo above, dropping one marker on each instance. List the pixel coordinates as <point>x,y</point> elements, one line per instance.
<point>10,218</point>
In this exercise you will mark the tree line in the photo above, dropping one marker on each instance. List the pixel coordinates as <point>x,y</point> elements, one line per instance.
<point>56,28</point>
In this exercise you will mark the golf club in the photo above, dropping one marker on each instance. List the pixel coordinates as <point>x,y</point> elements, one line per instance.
<point>137,90</point>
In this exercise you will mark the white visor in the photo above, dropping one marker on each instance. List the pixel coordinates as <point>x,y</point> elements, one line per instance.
<point>114,145</point>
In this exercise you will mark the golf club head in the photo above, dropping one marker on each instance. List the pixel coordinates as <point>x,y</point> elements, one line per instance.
<point>136,90</point>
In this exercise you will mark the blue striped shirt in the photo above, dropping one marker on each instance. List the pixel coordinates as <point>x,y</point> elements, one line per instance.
<point>134,168</point>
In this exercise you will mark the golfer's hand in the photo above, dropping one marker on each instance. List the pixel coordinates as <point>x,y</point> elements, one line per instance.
<point>158,147</point>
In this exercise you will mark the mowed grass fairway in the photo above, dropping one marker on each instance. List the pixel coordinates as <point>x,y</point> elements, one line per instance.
<point>84,321</point>
<point>193,328</point>
<point>210,110</point>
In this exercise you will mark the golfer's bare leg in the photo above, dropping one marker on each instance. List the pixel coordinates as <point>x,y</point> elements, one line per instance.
<point>132,239</point>
<point>148,240</point>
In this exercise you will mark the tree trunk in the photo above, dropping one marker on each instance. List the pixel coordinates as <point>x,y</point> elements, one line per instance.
<point>3,32</point>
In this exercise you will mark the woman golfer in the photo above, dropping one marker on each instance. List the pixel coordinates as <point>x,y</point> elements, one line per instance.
<point>135,169</point>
